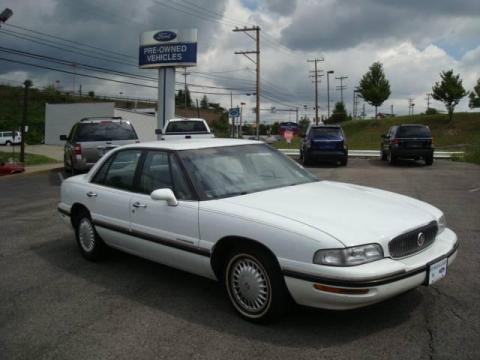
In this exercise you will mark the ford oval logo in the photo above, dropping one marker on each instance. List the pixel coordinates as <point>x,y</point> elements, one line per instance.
<point>164,36</point>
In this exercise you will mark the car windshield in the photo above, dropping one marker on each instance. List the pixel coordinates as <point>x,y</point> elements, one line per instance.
<point>186,126</point>
<point>413,132</point>
<point>327,133</point>
<point>106,131</point>
<point>237,170</point>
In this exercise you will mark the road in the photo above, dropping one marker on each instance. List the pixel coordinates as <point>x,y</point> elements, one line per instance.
<point>56,305</point>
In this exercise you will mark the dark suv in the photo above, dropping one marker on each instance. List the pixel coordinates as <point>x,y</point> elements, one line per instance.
<point>324,143</point>
<point>91,138</point>
<point>409,141</point>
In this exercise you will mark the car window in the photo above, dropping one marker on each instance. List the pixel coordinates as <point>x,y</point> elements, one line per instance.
<point>413,132</point>
<point>121,171</point>
<point>186,126</point>
<point>155,173</point>
<point>72,131</point>
<point>327,133</point>
<point>105,131</point>
<point>99,176</point>
<point>7,134</point>
<point>180,185</point>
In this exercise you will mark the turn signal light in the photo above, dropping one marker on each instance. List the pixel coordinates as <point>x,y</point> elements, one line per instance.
<point>337,290</point>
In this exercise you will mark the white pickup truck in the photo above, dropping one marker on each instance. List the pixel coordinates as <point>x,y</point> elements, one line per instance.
<point>186,128</point>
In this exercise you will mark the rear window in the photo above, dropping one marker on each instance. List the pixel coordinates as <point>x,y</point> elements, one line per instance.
<point>327,132</point>
<point>186,126</point>
<point>413,132</point>
<point>106,131</point>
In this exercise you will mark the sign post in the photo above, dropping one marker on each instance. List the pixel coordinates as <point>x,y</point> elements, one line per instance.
<point>165,50</point>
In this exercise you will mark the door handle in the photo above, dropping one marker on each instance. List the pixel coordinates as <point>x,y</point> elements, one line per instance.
<point>91,194</point>
<point>136,204</point>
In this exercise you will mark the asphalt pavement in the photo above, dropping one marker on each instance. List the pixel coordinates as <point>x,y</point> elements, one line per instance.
<point>56,305</point>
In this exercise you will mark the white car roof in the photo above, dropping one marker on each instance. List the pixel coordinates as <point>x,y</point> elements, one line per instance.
<point>190,144</point>
<point>188,119</point>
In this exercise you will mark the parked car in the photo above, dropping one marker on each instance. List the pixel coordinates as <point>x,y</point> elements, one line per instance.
<point>241,212</point>
<point>10,138</point>
<point>408,141</point>
<point>11,167</point>
<point>186,128</point>
<point>323,142</point>
<point>91,138</point>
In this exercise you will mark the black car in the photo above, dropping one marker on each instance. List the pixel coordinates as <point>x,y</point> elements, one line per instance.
<point>324,143</point>
<point>408,141</point>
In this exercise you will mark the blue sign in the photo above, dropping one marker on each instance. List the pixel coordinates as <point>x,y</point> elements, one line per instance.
<point>165,35</point>
<point>234,112</point>
<point>168,54</point>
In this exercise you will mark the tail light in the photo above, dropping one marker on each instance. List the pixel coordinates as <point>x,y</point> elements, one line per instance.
<point>77,149</point>
<point>395,141</point>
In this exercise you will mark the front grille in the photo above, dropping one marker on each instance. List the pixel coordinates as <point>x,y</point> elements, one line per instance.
<point>411,242</point>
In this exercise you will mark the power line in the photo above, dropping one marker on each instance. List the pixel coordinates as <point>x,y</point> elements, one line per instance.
<point>341,87</point>
<point>316,75</point>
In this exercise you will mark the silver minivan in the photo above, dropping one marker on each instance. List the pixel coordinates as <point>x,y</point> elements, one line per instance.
<point>91,138</point>
<point>10,138</point>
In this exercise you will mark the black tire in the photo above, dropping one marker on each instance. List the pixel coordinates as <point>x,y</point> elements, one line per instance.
<point>8,143</point>
<point>89,242</point>
<point>255,285</point>
<point>391,158</point>
<point>305,158</point>
<point>344,161</point>
<point>383,156</point>
<point>72,169</point>
<point>66,167</point>
<point>429,160</point>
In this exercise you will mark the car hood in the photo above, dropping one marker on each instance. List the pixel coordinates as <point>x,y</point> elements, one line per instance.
<point>352,214</point>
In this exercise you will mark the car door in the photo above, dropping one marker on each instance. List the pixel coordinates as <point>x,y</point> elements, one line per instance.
<point>108,197</point>
<point>167,234</point>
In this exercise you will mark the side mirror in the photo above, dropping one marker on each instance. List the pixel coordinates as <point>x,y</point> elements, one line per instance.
<point>158,131</point>
<point>165,195</point>
<point>63,137</point>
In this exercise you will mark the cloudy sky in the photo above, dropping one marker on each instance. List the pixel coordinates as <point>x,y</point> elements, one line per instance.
<point>415,40</point>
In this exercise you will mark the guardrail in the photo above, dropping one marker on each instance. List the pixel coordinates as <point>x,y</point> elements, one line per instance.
<point>376,153</point>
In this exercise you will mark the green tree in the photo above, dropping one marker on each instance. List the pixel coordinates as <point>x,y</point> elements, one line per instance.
<point>303,124</point>
<point>275,128</point>
<point>431,111</point>
<point>339,114</point>
<point>374,87</point>
<point>475,96</point>
<point>91,94</point>
<point>204,102</point>
<point>449,91</point>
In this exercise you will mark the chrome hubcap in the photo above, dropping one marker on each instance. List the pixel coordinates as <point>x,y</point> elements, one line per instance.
<point>86,235</point>
<point>249,285</point>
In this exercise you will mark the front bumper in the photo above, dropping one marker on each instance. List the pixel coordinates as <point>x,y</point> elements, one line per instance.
<point>383,279</point>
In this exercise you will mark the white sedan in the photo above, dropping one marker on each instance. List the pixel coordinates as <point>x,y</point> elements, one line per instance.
<point>242,213</point>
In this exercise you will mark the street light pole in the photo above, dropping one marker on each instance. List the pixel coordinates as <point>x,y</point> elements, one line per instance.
<point>328,91</point>
<point>27,84</point>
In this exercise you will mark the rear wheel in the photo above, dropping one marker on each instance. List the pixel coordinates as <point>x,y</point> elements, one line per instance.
<point>391,158</point>
<point>8,143</point>
<point>255,285</point>
<point>344,161</point>
<point>89,242</point>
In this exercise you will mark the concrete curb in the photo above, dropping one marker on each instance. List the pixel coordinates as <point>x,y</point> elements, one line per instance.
<point>376,153</point>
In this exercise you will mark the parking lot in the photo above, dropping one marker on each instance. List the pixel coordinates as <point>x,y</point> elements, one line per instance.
<point>56,305</point>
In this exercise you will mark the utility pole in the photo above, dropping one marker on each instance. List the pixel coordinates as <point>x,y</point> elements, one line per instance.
<point>27,85</point>
<point>316,75</point>
<point>391,109</point>
<point>198,109</point>
<point>296,114</point>
<point>341,87</point>
<point>363,111</point>
<point>247,31</point>
<point>328,91</point>
<point>410,106</point>
<point>428,100</point>
<point>233,119</point>
<point>74,66</point>
<point>185,74</point>
<point>355,103</point>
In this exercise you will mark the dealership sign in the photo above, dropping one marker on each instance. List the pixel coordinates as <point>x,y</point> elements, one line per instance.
<point>170,48</point>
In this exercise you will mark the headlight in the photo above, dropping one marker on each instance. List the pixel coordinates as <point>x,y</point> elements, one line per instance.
<point>351,256</point>
<point>442,224</point>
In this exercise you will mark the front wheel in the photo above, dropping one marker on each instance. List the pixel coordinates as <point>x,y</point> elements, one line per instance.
<point>255,286</point>
<point>90,244</point>
<point>8,143</point>
<point>383,156</point>
<point>391,158</point>
<point>305,158</point>
<point>429,160</point>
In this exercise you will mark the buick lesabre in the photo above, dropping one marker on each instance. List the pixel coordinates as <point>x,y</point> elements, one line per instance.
<point>240,212</point>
